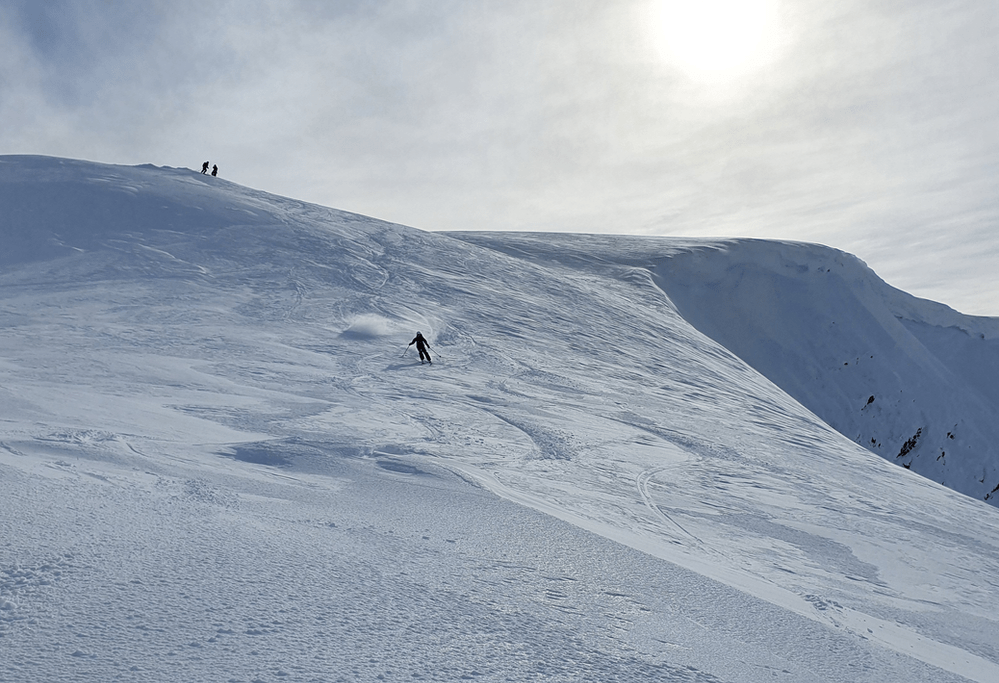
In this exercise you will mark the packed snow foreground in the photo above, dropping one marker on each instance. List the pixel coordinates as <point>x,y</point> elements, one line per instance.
<point>219,460</point>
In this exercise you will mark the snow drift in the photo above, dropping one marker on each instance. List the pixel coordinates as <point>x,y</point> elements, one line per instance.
<point>218,460</point>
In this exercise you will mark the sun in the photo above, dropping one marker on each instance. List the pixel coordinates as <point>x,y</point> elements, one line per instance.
<point>712,39</point>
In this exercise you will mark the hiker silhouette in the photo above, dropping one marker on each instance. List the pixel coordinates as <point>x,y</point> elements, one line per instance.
<point>204,167</point>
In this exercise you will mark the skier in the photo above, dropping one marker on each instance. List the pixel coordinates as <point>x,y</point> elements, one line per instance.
<point>204,167</point>
<point>421,346</point>
<point>215,169</point>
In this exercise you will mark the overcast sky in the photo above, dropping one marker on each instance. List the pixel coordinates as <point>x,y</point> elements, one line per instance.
<point>867,125</point>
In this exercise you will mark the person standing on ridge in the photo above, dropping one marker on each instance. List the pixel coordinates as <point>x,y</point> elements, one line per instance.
<point>204,167</point>
<point>215,169</point>
<point>421,346</point>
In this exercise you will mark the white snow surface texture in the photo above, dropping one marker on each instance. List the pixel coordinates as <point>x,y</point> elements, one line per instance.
<point>220,461</point>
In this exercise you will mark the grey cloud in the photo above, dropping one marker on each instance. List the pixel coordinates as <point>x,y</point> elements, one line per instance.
<point>873,125</point>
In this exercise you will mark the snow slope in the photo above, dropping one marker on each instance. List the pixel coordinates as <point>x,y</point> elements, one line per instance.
<point>911,380</point>
<point>219,461</point>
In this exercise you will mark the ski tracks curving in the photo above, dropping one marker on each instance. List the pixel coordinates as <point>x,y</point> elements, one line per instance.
<point>643,481</point>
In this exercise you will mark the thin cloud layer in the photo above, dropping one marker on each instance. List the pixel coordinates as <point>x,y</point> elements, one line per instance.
<point>867,128</point>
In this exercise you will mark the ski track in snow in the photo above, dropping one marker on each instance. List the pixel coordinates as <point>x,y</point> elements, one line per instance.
<point>218,461</point>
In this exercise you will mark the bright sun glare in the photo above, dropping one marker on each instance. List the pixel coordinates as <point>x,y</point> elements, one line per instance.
<point>711,39</point>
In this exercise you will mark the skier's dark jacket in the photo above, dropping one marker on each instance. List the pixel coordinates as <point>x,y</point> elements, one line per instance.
<point>421,343</point>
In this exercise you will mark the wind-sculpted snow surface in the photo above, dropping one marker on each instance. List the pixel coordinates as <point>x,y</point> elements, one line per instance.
<point>220,461</point>
<point>909,379</point>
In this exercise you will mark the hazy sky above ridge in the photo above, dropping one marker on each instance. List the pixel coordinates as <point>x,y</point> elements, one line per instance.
<point>867,126</point>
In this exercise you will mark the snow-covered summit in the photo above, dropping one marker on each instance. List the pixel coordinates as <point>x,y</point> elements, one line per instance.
<point>219,460</point>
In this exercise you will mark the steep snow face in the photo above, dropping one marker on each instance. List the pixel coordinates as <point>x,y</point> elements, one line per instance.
<point>909,379</point>
<point>219,460</point>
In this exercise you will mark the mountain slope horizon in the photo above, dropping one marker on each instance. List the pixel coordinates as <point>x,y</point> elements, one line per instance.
<point>189,362</point>
<point>909,379</point>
